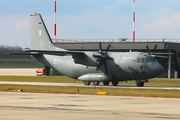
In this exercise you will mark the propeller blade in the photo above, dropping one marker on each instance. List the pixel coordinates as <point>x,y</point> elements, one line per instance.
<point>103,56</point>
<point>99,65</point>
<point>147,47</point>
<point>100,47</point>
<point>108,48</point>
<point>154,48</point>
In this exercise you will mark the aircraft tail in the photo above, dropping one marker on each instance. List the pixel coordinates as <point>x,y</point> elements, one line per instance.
<point>40,38</point>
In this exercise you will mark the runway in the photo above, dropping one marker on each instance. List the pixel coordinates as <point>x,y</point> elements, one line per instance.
<point>20,106</point>
<point>82,85</point>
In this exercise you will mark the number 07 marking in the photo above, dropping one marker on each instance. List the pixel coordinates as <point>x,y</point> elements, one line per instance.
<point>56,61</point>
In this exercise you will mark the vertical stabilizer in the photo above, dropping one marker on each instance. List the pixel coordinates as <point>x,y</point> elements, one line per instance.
<point>40,38</point>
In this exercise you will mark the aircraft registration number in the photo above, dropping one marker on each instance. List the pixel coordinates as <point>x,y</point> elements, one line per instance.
<point>56,61</point>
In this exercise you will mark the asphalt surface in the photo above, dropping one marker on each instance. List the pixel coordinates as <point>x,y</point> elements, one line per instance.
<point>18,71</point>
<point>41,106</point>
<point>38,106</point>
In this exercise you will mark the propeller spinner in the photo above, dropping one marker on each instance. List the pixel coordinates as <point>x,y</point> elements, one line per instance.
<point>103,56</point>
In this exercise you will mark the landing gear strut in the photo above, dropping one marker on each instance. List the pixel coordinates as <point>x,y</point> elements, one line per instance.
<point>96,83</point>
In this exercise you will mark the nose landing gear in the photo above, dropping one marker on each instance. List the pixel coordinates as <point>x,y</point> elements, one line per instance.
<point>140,83</point>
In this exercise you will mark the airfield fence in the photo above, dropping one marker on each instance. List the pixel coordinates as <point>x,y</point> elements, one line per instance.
<point>113,40</point>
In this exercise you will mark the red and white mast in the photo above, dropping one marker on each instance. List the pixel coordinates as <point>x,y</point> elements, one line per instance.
<point>134,17</point>
<point>54,20</point>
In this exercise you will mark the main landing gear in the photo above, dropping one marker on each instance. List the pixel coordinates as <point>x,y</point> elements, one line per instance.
<point>88,83</point>
<point>105,83</point>
<point>139,83</point>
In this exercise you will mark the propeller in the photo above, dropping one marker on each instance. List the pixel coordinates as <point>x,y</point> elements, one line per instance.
<point>103,56</point>
<point>147,47</point>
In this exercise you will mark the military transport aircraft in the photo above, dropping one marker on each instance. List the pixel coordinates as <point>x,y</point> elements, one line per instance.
<point>91,66</point>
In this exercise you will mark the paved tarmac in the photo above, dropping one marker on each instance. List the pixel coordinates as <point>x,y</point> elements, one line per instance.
<point>18,71</point>
<point>38,106</point>
<point>28,106</point>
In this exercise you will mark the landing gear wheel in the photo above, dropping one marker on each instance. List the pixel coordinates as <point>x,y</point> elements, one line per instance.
<point>87,83</point>
<point>106,83</point>
<point>96,83</point>
<point>115,83</point>
<point>140,84</point>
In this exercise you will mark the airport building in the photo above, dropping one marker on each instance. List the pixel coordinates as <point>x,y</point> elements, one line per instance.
<point>171,63</point>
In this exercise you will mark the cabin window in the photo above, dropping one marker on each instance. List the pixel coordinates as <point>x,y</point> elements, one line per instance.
<point>141,67</point>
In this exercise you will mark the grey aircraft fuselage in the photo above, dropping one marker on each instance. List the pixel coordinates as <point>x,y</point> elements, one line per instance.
<point>125,66</point>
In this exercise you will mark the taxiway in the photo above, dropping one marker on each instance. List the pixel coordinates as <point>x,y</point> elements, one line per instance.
<point>20,106</point>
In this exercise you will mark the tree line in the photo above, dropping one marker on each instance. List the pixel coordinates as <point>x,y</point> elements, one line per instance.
<point>4,49</point>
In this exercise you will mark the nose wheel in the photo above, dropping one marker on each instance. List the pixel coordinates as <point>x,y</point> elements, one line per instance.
<point>115,83</point>
<point>139,83</point>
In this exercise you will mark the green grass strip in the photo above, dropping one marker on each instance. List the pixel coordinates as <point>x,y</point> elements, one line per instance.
<point>93,91</point>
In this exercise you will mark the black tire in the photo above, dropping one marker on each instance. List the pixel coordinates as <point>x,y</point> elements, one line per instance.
<point>87,82</point>
<point>96,83</point>
<point>115,83</point>
<point>106,83</point>
<point>140,84</point>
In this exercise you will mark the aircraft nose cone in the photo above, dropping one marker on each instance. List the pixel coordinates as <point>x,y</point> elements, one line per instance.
<point>160,70</point>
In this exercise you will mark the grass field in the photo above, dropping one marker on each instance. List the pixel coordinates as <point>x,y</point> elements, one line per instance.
<point>65,79</point>
<point>90,90</point>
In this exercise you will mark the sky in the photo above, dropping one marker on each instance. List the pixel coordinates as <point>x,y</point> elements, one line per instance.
<point>90,19</point>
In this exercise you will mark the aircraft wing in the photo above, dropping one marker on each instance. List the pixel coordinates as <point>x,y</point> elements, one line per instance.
<point>23,53</point>
<point>51,52</point>
<point>163,54</point>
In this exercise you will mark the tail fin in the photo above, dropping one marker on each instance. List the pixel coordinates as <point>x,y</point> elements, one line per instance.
<point>40,38</point>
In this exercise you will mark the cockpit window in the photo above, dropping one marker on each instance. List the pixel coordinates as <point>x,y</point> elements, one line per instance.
<point>142,60</point>
<point>151,59</point>
<point>138,60</point>
<point>147,60</point>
